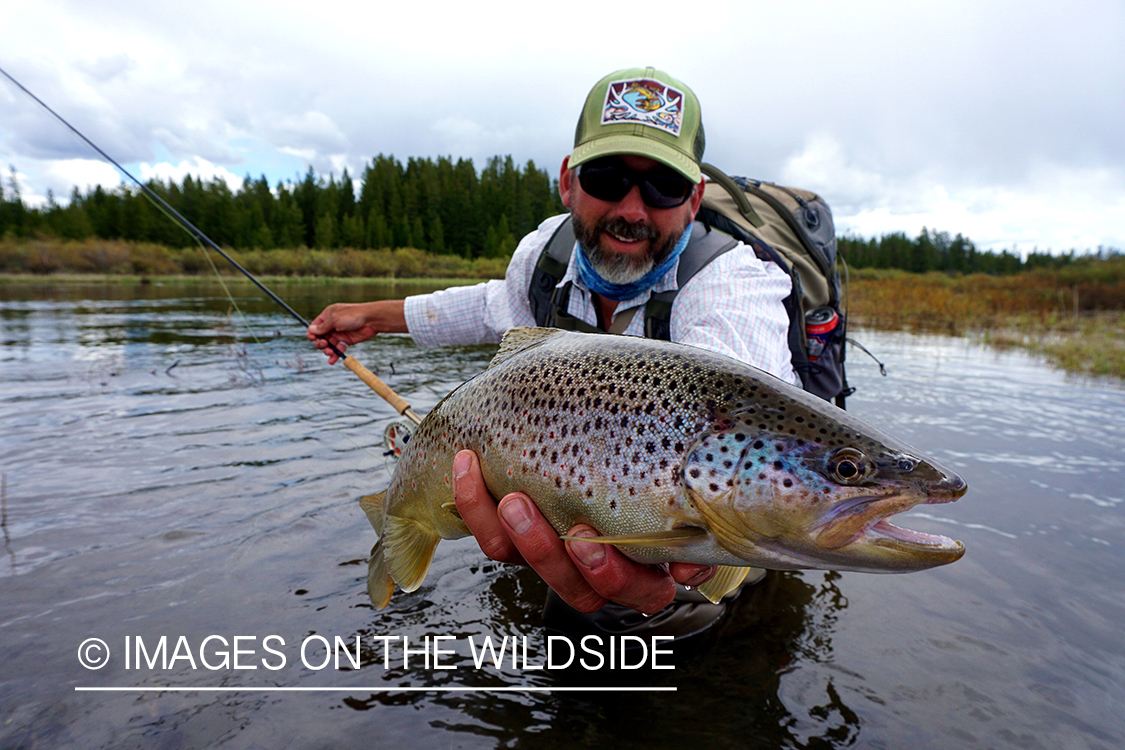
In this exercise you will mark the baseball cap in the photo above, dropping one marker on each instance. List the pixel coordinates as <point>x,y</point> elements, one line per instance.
<point>641,111</point>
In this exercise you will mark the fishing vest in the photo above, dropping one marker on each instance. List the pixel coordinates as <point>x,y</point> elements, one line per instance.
<point>549,300</point>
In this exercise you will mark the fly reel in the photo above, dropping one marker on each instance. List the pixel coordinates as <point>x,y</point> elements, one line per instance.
<point>397,435</point>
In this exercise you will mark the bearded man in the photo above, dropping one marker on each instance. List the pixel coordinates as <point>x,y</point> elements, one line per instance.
<point>633,185</point>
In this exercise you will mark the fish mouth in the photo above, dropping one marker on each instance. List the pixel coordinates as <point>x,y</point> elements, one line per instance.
<point>864,521</point>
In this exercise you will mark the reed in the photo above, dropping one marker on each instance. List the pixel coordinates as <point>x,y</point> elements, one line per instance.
<point>1075,317</point>
<point>116,257</point>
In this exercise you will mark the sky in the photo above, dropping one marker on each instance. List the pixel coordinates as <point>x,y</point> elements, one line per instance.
<point>1001,121</point>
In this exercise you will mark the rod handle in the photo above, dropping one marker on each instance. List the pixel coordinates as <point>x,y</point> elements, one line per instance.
<point>397,402</point>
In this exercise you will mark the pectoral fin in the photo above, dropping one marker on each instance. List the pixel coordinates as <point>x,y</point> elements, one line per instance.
<point>726,579</point>
<point>671,538</point>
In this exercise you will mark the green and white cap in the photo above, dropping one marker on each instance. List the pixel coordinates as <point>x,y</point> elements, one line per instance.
<point>642,111</point>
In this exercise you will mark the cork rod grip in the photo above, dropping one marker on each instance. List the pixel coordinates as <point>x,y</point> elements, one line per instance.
<point>397,402</point>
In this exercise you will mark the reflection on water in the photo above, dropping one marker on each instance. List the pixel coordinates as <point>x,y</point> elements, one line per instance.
<point>169,469</point>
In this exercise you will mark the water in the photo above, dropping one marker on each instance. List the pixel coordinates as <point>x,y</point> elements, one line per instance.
<point>166,475</point>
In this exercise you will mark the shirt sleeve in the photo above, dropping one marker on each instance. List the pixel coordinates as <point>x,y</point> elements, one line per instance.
<point>734,306</point>
<point>480,314</point>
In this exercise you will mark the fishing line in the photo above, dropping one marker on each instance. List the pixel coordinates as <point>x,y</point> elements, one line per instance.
<point>374,383</point>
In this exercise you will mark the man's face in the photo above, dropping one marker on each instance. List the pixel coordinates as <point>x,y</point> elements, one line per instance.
<point>625,239</point>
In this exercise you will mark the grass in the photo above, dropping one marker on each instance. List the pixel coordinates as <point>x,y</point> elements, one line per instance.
<point>1074,317</point>
<point>121,258</point>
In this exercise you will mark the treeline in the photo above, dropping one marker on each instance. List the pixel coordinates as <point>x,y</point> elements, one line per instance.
<point>442,206</point>
<point>938,251</point>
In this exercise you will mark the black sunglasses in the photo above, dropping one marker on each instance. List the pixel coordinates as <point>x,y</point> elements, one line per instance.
<point>610,180</point>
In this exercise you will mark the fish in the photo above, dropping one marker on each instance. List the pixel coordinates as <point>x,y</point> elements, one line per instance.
<point>672,453</point>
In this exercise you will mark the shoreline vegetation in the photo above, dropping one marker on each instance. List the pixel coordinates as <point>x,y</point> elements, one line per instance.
<point>1074,315</point>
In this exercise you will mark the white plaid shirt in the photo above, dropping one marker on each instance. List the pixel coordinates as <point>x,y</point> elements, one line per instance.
<point>733,306</point>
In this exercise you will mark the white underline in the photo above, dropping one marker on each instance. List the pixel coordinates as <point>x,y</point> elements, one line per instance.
<point>362,689</point>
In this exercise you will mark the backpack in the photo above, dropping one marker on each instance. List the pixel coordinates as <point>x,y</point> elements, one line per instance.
<point>797,230</point>
<point>793,228</point>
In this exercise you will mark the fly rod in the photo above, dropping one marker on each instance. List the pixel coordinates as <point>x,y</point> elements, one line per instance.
<point>398,403</point>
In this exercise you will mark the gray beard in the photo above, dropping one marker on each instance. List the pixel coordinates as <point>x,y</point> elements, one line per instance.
<point>620,268</point>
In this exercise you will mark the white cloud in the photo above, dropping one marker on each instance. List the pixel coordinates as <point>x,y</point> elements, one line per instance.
<point>196,167</point>
<point>1056,206</point>
<point>83,173</point>
<point>994,118</point>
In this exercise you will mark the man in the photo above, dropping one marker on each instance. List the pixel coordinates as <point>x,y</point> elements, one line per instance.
<point>633,186</point>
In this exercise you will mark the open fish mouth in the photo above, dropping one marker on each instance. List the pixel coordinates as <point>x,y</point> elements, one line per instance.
<point>867,519</point>
<point>885,533</point>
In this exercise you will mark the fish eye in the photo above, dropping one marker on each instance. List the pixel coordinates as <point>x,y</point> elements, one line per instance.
<point>848,466</point>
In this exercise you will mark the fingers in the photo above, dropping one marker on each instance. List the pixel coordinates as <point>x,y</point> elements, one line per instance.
<point>337,326</point>
<point>539,544</point>
<point>691,574</point>
<point>586,575</point>
<point>478,510</point>
<point>645,588</point>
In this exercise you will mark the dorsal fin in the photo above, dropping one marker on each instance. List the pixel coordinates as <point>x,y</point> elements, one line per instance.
<point>520,338</point>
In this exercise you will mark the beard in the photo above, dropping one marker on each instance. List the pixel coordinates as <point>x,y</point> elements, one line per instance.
<point>623,268</point>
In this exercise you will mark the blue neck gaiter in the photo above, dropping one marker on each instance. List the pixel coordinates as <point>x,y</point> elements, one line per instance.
<point>621,292</point>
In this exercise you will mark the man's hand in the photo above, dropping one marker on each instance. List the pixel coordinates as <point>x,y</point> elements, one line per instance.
<point>586,575</point>
<point>342,324</point>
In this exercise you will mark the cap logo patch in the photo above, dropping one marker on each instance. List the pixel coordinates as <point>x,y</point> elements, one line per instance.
<point>644,102</point>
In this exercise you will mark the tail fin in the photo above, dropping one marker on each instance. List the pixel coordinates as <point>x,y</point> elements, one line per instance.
<point>379,583</point>
<point>373,506</point>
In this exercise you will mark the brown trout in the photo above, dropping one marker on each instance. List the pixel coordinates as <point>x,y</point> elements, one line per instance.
<point>672,453</point>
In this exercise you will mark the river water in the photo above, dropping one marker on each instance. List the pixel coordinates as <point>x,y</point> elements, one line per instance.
<point>172,470</point>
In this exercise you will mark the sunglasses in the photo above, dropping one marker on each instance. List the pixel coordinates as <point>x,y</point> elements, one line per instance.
<point>610,180</point>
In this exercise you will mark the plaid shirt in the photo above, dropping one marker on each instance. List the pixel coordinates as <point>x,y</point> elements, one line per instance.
<point>733,306</point>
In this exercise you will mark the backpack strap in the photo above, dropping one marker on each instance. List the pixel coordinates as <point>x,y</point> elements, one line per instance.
<point>549,301</point>
<point>549,270</point>
<point>702,248</point>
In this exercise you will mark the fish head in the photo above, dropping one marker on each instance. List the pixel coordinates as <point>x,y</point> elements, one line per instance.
<point>809,486</point>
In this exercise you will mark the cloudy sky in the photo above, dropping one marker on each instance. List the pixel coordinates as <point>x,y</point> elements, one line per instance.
<point>1004,121</point>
